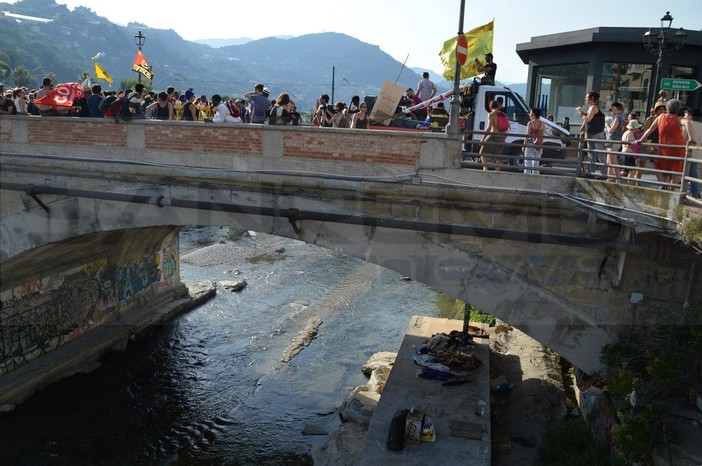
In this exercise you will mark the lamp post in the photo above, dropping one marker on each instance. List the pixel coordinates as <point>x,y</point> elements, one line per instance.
<point>659,44</point>
<point>139,40</point>
<point>334,83</point>
<point>452,127</point>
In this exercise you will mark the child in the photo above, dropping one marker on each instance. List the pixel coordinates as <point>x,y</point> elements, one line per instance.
<point>632,133</point>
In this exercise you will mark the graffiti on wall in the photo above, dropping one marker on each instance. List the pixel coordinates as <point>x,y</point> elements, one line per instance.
<point>41,314</point>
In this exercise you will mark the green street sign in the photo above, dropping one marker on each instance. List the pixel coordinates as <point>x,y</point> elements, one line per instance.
<point>672,84</point>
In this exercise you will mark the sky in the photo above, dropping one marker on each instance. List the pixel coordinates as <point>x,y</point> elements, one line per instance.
<point>411,30</point>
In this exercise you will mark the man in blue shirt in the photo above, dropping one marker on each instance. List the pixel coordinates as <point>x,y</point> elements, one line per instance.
<point>259,103</point>
<point>94,102</point>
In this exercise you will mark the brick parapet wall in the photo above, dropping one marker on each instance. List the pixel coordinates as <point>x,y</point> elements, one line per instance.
<point>22,134</point>
<point>65,131</point>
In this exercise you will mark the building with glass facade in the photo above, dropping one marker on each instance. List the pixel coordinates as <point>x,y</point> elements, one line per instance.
<point>612,61</point>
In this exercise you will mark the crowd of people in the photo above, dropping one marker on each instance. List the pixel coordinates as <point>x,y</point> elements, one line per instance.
<point>256,107</point>
<point>621,140</point>
<point>139,103</point>
<point>613,142</point>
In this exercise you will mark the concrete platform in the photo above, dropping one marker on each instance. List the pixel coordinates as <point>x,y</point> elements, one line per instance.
<point>462,436</point>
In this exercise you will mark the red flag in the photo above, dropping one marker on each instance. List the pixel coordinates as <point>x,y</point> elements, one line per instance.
<point>141,66</point>
<point>63,95</point>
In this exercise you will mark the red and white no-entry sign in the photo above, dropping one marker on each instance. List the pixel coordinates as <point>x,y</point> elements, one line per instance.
<point>461,49</point>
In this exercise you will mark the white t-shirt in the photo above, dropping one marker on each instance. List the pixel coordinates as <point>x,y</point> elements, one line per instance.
<point>223,116</point>
<point>426,89</point>
<point>694,135</point>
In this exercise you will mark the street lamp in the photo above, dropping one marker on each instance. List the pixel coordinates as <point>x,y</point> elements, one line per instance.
<point>139,39</point>
<point>659,44</point>
<point>334,83</point>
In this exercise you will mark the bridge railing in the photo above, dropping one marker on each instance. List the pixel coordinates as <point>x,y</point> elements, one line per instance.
<point>572,158</point>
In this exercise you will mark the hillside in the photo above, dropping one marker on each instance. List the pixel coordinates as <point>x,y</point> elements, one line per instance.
<point>301,66</point>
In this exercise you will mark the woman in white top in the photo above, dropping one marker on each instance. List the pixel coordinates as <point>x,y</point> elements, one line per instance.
<point>692,130</point>
<point>18,95</point>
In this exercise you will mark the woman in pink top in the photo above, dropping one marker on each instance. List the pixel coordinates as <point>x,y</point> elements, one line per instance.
<point>533,142</point>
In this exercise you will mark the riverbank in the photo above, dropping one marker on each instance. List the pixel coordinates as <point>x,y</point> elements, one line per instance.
<point>527,400</point>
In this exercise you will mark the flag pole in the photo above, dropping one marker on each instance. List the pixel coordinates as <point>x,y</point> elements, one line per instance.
<point>452,128</point>
<point>402,68</point>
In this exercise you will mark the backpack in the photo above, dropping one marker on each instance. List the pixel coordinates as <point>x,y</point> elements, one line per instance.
<point>112,106</point>
<point>233,109</point>
<point>343,121</point>
<point>278,116</point>
<point>105,103</point>
<point>125,113</point>
<point>502,122</point>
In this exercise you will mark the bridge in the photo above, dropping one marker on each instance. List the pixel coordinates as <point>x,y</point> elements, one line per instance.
<point>90,213</point>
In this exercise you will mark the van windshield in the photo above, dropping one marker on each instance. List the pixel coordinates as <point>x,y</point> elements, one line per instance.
<point>511,103</point>
<point>521,100</point>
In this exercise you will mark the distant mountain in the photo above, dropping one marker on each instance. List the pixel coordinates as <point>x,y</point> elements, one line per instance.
<point>301,66</point>
<point>217,43</point>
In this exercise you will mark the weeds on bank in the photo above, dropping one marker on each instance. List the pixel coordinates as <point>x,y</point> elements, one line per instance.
<point>451,308</point>
<point>572,444</point>
<point>650,371</point>
<point>689,227</point>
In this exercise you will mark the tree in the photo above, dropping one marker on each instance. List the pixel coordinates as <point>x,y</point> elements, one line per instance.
<point>4,69</point>
<point>83,76</point>
<point>131,82</point>
<point>21,77</point>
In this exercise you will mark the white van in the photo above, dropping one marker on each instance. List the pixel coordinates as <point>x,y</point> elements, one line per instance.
<point>475,104</point>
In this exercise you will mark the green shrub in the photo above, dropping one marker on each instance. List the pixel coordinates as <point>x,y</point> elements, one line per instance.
<point>572,443</point>
<point>451,308</point>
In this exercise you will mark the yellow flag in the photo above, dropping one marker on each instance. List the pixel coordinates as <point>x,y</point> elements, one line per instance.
<point>102,74</point>
<point>479,43</point>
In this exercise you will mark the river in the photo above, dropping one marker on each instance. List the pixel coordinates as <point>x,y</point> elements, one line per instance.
<point>208,388</point>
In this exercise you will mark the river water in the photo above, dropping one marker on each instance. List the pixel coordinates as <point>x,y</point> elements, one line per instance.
<point>208,388</point>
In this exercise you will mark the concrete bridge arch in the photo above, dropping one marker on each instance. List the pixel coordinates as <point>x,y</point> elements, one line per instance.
<point>550,255</point>
<point>561,294</point>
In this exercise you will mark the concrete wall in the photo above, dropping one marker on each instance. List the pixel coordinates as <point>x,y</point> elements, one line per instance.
<point>54,294</point>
